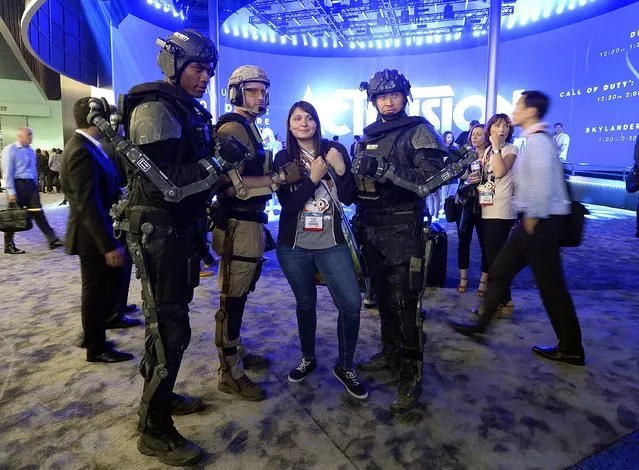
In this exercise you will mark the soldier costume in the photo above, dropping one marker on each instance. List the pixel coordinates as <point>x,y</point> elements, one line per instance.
<point>398,154</point>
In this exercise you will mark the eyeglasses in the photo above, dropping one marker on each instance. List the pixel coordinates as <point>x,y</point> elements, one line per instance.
<point>255,92</point>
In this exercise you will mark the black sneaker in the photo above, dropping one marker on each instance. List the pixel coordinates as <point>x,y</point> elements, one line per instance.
<point>351,382</point>
<point>305,367</point>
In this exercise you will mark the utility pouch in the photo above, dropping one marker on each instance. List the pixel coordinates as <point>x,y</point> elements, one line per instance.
<point>415,274</point>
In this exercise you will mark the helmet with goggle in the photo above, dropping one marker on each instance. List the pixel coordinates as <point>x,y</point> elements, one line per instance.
<point>239,86</point>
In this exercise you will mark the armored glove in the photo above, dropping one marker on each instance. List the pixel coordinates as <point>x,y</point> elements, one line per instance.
<point>231,153</point>
<point>291,172</point>
<point>371,167</point>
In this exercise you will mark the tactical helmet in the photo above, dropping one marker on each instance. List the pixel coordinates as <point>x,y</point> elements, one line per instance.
<point>386,81</point>
<point>182,47</point>
<point>235,88</point>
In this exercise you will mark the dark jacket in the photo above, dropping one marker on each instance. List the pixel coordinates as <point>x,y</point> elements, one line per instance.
<point>90,183</point>
<point>294,197</point>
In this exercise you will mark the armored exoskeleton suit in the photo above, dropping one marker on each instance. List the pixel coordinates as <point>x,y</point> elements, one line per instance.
<point>239,235</point>
<point>165,226</point>
<point>398,154</point>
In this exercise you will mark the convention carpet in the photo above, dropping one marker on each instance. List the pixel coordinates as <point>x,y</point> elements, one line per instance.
<point>492,406</point>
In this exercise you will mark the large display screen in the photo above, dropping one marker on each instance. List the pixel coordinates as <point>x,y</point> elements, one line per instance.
<point>590,70</point>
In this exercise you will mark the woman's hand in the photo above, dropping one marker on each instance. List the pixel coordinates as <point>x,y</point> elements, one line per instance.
<point>319,168</point>
<point>473,177</point>
<point>494,140</point>
<point>334,158</point>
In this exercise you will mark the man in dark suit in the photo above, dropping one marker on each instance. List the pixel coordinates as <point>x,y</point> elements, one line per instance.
<point>90,183</point>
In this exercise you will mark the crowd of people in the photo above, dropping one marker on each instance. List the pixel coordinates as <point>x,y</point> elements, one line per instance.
<point>164,232</point>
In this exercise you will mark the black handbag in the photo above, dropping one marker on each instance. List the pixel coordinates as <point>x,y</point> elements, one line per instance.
<point>15,219</point>
<point>451,209</point>
<point>576,222</point>
<point>632,180</point>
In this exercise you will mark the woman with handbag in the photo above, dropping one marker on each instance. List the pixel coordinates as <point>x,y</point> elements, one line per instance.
<point>311,239</point>
<point>468,217</point>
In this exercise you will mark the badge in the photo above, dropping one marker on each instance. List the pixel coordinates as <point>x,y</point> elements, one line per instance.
<point>485,198</point>
<point>486,193</point>
<point>313,221</point>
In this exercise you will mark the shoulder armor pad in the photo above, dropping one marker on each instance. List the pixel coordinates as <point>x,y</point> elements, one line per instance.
<point>425,137</point>
<point>153,122</point>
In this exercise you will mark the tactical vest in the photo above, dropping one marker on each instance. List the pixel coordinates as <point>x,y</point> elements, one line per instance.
<point>195,143</point>
<point>256,166</point>
<point>384,147</point>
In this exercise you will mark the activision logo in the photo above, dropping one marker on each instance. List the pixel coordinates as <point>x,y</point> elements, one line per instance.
<point>435,103</point>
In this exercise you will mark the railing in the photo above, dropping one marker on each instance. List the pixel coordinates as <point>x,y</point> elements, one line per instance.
<point>609,172</point>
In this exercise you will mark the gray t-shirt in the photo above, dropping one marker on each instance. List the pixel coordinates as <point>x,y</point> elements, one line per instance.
<point>315,222</point>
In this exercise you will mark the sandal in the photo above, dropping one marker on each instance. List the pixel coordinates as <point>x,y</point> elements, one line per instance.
<point>482,292</point>
<point>463,285</point>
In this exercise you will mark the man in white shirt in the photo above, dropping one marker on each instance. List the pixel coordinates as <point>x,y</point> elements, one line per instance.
<point>562,140</point>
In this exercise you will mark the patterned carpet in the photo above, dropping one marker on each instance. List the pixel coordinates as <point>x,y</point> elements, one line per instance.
<point>493,406</point>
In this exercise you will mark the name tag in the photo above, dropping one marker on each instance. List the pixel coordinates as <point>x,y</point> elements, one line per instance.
<point>313,221</point>
<point>486,198</point>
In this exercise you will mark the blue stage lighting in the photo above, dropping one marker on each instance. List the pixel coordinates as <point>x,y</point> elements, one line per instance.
<point>245,34</point>
<point>371,44</point>
<point>236,31</point>
<point>314,42</point>
<point>294,40</point>
<point>352,45</point>
<point>175,14</point>
<point>419,40</point>
<point>378,44</point>
<point>227,30</point>
<point>283,39</point>
<point>571,6</point>
<point>158,5</point>
<point>409,41</point>
<point>264,36</point>
<point>438,38</point>
<point>166,8</point>
<point>150,2</point>
<point>448,37</point>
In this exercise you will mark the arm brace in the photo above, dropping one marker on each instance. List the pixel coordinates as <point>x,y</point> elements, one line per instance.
<point>139,160</point>
<point>443,176</point>
<point>241,192</point>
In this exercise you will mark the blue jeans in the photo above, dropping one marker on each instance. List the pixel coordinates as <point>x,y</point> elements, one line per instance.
<point>336,266</point>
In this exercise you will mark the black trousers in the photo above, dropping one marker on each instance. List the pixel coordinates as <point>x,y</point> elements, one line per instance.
<point>541,251</point>
<point>28,195</point>
<point>388,250</point>
<point>173,269</point>
<point>121,287</point>
<point>465,237</point>
<point>496,233</point>
<point>100,284</point>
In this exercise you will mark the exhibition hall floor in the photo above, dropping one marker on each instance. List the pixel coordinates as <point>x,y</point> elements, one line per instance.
<point>484,406</point>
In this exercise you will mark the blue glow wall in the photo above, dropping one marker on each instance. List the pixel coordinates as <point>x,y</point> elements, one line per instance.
<point>590,70</point>
<point>134,54</point>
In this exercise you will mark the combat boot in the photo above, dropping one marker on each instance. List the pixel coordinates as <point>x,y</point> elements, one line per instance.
<point>387,359</point>
<point>233,380</point>
<point>410,386</point>
<point>160,439</point>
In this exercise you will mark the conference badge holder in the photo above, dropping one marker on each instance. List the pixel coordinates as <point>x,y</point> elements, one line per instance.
<point>486,193</point>
<point>313,221</point>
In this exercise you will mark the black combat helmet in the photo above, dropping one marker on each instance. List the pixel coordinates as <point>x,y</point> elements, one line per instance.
<point>183,47</point>
<point>386,81</point>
